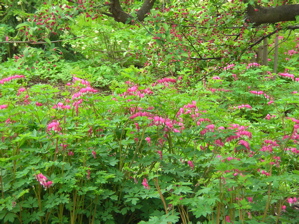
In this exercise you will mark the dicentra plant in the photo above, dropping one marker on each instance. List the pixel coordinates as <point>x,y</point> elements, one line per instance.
<point>152,152</point>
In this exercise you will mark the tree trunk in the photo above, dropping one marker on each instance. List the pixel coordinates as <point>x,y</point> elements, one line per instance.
<point>120,16</point>
<point>260,15</point>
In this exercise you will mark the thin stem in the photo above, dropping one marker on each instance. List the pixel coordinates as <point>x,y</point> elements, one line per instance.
<point>160,193</point>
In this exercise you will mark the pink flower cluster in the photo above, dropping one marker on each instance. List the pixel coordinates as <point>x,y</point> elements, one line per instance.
<point>287,75</point>
<point>254,64</point>
<point>168,123</point>
<point>164,80</point>
<point>291,52</point>
<point>83,91</point>
<point>61,106</point>
<point>243,106</point>
<point>2,81</point>
<point>232,158</point>
<point>82,81</point>
<point>292,200</point>
<point>135,91</point>
<point>54,126</point>
<point>43,180</point>
<point>190,108</point>
<point>264,172</point>
<point>141,114</point>
<point>293,150</point>
<point>257,92</point>
<point>240,132</point>
<point>219,90</point>
<point>276,161</point>
<point>268,146</point>
<point>269,117</point>
<point>230,66</point>
<point>294,136</point>
<point>158,121</point>
<point>208,128</point>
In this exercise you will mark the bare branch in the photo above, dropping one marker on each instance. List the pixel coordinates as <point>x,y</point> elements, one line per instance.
<point>34,42</point>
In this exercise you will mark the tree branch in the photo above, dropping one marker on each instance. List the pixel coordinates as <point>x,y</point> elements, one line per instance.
<point>119,15</point>
<point>34,42</point>
<point>260,15</point>
<point>262,38</point>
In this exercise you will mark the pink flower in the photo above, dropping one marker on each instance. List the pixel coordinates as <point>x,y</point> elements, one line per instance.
<point>94,154</point>
<point>219,142</point>
<point>227,219</point>
<point>235,76</point>
<point>70,153</point>
<point>249,199</point>
<point>145,184</point>
<point>48,184</point>
<point>283,208</point>
<point>148,139</point>
<point>270,102</point>
<point>244,143</point>
<point>268,117</point>
<point>190,163</point>
<point>160,153</point>
<point>38,104</point>
<point>88,175</point>
<point>43,180</point>
<point>21,90</point>
<point>290,201</point>
<point>265,173</point>
<point>4,106</point>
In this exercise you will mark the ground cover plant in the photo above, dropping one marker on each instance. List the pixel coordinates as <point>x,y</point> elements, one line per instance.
<point>160,121</point>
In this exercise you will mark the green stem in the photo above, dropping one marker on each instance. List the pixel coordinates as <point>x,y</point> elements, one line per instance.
<point>268,203</point>
<point>160,193</point>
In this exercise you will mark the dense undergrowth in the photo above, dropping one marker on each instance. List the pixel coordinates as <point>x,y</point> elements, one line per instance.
<point>127,133</point>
